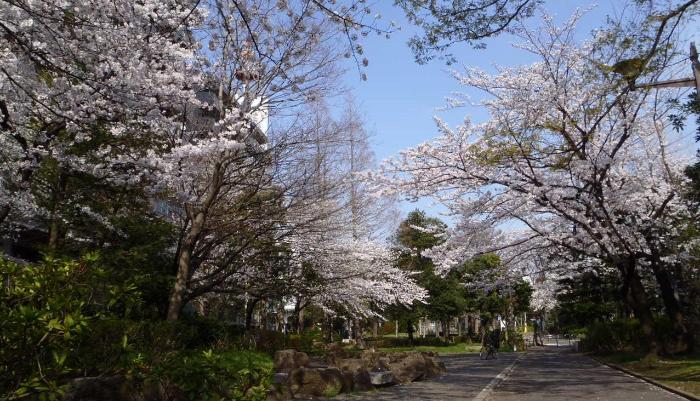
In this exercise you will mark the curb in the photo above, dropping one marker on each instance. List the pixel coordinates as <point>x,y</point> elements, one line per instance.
<point>666,387</point>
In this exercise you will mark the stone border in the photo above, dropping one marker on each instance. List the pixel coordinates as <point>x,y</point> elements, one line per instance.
<point>656,383</point>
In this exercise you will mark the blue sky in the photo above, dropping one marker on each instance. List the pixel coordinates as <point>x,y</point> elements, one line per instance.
<point>400,97</point>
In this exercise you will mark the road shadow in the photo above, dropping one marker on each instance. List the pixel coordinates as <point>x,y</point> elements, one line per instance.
<point>560,373</point>
<point>466,376</point>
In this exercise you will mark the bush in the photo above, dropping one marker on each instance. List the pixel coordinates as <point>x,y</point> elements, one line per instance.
<point>515,339</point>
<point>61,319</point>
<point>212,376</point>
<point>665,333</point>
<point>47,310</point>
<point>110,345</point>
<point>405,342</point>
<point>272,341</point>
<point>470,338</point>
<point>616,336</point>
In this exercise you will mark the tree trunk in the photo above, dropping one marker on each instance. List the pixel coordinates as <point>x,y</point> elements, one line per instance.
<point>683,337</point>
<point>4,212</point>
<point>539,329</point>
<point>640,306</point>
<point>300,321</point>
<point>198,219</point>
<point>263,315</point>
<point>329,325</point>
<point>53,234</point>
<point>249,309</point>
<point>183,265</point>
<point>56,199</point>
<point>409,329</point>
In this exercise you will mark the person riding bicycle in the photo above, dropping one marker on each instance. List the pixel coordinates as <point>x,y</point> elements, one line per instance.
<point>491,343</point>
<point>496,339</point>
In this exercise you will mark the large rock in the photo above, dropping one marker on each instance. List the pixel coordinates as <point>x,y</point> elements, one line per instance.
<point>407,367</point>
<point>334,347</point>
<point>370,359</point>
<point>355,373</point>
<point>381,378</point>
<point>287,360</point>
<point>433,365</point>
<point>335,352</point>
<point>351,364</point>
<point>361,381</point>
<point>108,388</point>
<point>280,378</point>
<point>279,392</point>
<point>158,390</point>
<point>348,382</point>
<point>319,382</point>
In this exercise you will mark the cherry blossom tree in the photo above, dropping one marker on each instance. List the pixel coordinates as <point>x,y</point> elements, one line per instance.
<point>95,75</point>
<point>359,275</point>
<point>292,217</point>
<point>336,231</point>
<point>263,60</point>
<point>571,156</point>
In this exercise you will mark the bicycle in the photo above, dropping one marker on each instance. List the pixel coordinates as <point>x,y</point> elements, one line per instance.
<point>488,350</point>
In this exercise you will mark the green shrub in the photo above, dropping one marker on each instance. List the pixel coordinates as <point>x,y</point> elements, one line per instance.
<point>61,319</point>
<point>213,376</point>
<point>186,333</point>
<point>663,328</point>
<point>515,339</point>
<point>272,341</point>
<point>470,338</point>
<point>616,336</point>
<point>47,310</point>
<point>405,342</point>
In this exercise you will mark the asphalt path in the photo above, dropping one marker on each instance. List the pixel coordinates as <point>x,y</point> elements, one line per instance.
<point>551,373</point>
<point>466,377</point>
<point>541,374</point>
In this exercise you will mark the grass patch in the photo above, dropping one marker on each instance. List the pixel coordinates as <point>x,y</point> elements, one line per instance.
<point>244,359</point>
<point>682,373</point>
<point>451,349</point>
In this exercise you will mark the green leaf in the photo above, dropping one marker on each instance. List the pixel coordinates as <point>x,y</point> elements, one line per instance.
<point>54,324</point>
<point>60,359</point>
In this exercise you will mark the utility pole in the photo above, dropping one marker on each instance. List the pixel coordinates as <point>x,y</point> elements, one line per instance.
<point>680,83</point>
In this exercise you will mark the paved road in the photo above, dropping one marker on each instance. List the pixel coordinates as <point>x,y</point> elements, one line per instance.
<point>543,374</point>
<point>466,377</point>
<point>552,373</point>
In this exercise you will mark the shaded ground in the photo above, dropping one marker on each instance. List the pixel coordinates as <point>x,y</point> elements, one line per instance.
<point>466,377</point>
<point>545,373</point>
<point>681,373</point>
<point>551,373</point>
